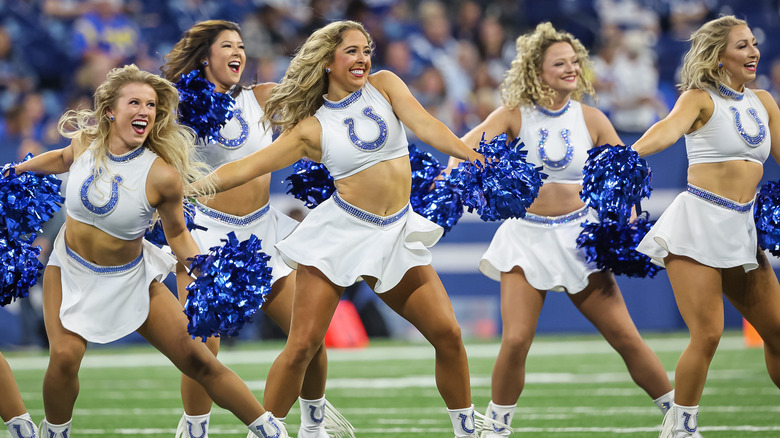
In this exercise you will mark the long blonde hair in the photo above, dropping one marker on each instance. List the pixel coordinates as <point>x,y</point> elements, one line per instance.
<point>522,85</point>
<point>299,94</point>
<point>172,142</point>
<point>193,48</point>
<point>700,68</point>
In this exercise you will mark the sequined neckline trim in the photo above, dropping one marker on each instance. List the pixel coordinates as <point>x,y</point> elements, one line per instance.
<point>730,93</point>
<point>135,153</point>
<point>345,102</point>
<point>550,113</point>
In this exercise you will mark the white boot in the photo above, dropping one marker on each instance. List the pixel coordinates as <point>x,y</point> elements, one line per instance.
<point>501,416</point>
<point>680,422</point>
<point>22,426</point>
<point>319,419</point>
<point>463,422</point>
<point>48,430</point>
<point>665,401</point>
<point>266,426</point>
<point>193,426</point>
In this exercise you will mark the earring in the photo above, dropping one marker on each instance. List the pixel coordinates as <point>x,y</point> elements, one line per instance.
<point>720,64</point>
<point>110,118</point>
<point>205,63</point>
<point>327,69</point>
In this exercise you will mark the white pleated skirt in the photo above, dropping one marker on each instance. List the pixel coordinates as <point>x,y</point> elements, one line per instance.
<point>104,303</point>
<point>545,248</point>
<point>712,230</point>
<point>346,243</point>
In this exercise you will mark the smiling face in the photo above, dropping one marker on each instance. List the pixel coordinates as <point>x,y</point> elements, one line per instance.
<point>740,57</point>
<point>226,60</point>
<point>350,66</point>
<point>134,114</point>
<point>560,68</point>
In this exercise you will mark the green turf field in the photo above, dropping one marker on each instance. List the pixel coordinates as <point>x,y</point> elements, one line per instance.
<point>576,387</point>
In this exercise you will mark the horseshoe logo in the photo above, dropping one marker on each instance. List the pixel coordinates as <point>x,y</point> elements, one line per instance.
<point>108,207</point>
<point>363,145</point>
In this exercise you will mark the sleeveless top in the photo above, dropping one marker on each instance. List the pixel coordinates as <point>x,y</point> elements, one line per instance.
<point>359,131</point>
<point>737,130</point>
<point>114,201</point>
<point>241,135</point>
<point>557,140</point>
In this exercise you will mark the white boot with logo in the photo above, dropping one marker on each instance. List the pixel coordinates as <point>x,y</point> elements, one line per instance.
<point>193,426</point>
<point>49,430</point>
<point>502,419</point>
<point>22,426</point>
<point>680,422</point>
<point>267,426</point>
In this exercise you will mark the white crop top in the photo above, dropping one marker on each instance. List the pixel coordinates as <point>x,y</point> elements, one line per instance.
<point>115,201</point>
<point>241,135</point>
<point>557,140</point>
<point>359,131</point>
<point>737,130</point>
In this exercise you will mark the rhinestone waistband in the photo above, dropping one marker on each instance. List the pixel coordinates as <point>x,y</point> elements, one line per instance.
<point>104,269</point>
<point>229,218</point>
<point>720,201</point>
<point>381,221</point>
<point>556,220</point>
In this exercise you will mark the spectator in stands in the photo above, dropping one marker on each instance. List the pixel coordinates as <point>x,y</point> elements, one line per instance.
<point>774,79</point>
<point>706,238</point>
<point>105,29</point>
<point>538,253</point>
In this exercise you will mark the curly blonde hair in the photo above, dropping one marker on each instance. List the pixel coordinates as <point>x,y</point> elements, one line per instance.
<point>193,48</point>
<point>700,65</point>
<point>299,94</point>
<point>172,142</point>
<point>522,85</point>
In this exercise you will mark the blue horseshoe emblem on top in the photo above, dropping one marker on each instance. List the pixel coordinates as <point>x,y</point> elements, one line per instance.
<point>313,410</point>
<point>18,430</point>
<point>262,431</point>
<point>752,140</point>
<point>235,143</point>
<point>108,207</point>
<point>363,145</point>
<point>463,419</point>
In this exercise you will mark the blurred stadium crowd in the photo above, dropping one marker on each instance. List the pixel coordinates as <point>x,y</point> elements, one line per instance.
<point>453,54</point>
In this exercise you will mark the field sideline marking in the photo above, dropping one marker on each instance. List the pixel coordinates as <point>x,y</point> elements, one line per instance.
<point>540,347</point>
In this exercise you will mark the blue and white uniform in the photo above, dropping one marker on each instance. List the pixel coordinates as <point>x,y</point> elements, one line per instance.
<point>713,230</point>
<point>545,247</point>
<point>104,303</point>
<point>242,135</point>
<point>341,240</point>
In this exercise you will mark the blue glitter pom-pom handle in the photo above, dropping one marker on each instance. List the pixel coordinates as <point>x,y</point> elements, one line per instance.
<point>201,107</point>
<point>504,186</point>
<point>767,216</point>
<point>233,284</point>
<point>310,182</point>
<point>615,179</point>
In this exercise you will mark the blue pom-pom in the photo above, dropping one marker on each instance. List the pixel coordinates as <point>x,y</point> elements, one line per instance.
<point>503,187</point>
<point>19,268</point>
<point>310,182</point>
<point>156,235</point>
<point>767,216</point>
<point>612,246</point>
<point>201,107</point>
<point>233,284</point>
<point>431,198</point>
<point>441,205</point>
<point>615,179</point>
<point>27,201</point>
